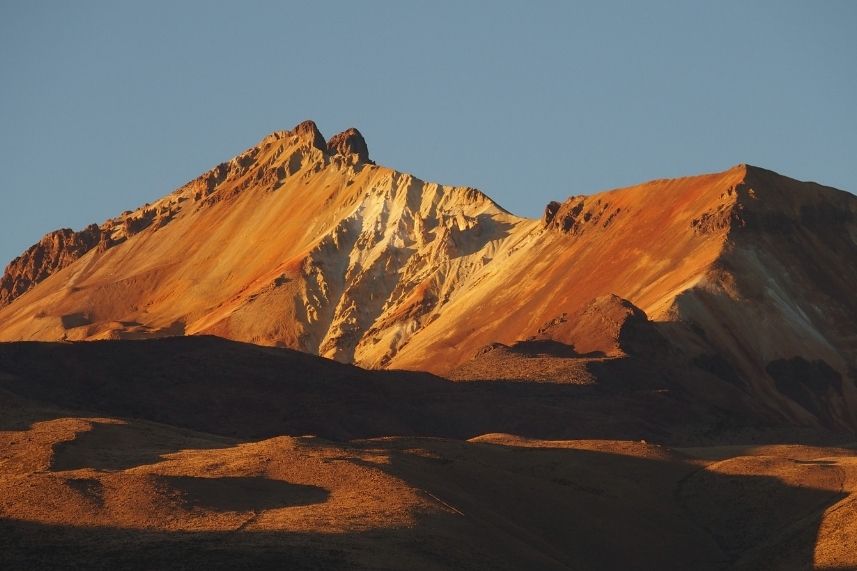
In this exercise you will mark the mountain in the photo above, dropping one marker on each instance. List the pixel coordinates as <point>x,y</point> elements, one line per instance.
<point>294,242</point>
<point>221,378</point>
<point>737,283</point>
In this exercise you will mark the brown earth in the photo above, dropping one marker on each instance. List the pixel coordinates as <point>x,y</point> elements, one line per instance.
<point>198,452</point>
<point>80,491</point>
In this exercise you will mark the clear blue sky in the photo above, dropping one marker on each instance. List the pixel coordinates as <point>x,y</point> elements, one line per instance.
<point>107,105</point>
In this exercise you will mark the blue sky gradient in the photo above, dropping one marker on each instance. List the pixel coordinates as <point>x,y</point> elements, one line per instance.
<point>107,105</point>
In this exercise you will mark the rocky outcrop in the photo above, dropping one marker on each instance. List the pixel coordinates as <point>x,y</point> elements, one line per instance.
<point>606,326</point>
<point>308,131</point>
<point>53,252</point>
<point>550,212</point>
<point>578,213</point>
<point>347,143</point>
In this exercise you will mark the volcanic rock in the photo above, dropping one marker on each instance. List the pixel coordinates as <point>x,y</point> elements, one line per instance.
<point>349,142</point>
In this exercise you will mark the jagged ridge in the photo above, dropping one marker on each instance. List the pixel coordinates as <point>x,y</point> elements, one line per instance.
<point>61,247</point>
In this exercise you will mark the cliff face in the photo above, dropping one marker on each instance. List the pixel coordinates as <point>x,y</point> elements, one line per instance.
<point>54,251</point>
<point>306,243</point>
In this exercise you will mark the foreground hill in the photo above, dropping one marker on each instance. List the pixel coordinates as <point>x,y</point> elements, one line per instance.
<point>79,490</point>
<point>742,279</point>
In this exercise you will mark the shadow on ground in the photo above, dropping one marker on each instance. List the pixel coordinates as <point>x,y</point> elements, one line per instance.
<point>246,391</point>
<point>498,507</point>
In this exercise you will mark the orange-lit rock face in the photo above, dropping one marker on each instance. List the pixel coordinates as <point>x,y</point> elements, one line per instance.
<point>290,243</point>
<point>305,243</point>
<point>53,252</point>
<point>638,243</point>
<point>608,326</point>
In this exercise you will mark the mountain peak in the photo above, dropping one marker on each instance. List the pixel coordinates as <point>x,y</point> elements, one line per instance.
<point>349,142</point>
<point>751,173</point>
<point>308,131</point>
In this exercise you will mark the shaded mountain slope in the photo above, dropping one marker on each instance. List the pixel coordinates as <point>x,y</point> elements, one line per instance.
<point>247,391</point>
